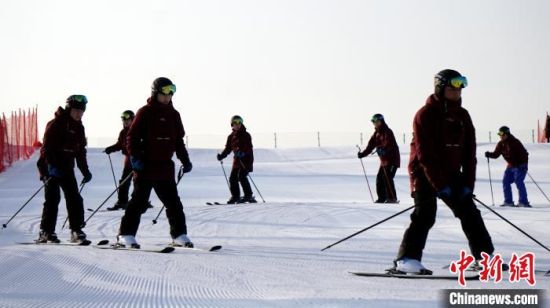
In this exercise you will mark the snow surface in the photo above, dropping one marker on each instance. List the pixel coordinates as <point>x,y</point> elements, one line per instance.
<point>271,252</point>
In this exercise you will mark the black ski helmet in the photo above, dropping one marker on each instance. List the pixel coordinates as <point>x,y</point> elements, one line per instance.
<point>158,84</point>
<point>443,79</point>
<point>377,117</point>
<point>503,130</point>
<point>127,115</point>
<point>236,118</point>
<point>76,101</point>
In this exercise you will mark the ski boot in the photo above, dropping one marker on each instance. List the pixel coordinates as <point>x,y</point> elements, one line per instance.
<point>248,199</point>
<point>234,200</point>
<point>409,266</point>
<point>45,237</point>
<point>182,241</point>
<point>508,204</point>
<point>118,206</point>
<point>126,241</point>
<point>77,236</point>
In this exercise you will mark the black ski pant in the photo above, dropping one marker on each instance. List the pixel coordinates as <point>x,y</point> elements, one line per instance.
<point>73,201</point>
<point>167,192</point>
<point>239,175</point>
<point>423,218</point>
<point>385,187</point>
<point>124,188</point>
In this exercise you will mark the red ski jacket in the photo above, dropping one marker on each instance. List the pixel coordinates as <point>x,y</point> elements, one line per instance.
<point>154,136</point>
<point>384,140</point>
<point>444,145</point>
<point>240,142</point>
<point>512,150</point>
<point>64,142</point>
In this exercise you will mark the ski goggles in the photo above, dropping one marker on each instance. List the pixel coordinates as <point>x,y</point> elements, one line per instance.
<point>237,122</point>
<point>168,90</point>
<point>501,133</point>
<point>126,116</point>
<point>79,98</point>
<point>458,82</point>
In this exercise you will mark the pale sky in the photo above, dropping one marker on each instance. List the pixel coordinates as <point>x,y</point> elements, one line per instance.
<point>285,66</point>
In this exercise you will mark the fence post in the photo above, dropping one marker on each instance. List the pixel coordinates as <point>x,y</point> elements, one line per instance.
<point>319,139</point>
<point>361,138</point>
<point>187,140</point>
<point>404,139</point>
<point>533,135</point>
<point>490,141</point>
<point>275,139</point>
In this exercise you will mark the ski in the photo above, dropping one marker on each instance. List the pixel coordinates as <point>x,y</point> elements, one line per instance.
<point>114,247</point>
<point>84,243</point>
<point>210,249</point>
<point>414,276</point>
<point>218,203</point>
<point>213,203</point>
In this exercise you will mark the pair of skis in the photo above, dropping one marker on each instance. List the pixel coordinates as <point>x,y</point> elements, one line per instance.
<point>104,244</point>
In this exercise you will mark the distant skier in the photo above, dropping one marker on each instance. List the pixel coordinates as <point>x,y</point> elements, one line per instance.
<point>64,142</point>
<point>547,129</point>
<point>443,165</point>
<point>240,142</point>
<point>517,158</point>
<point>383,141</point>
<point>127,119</point>
<point>156,133</point>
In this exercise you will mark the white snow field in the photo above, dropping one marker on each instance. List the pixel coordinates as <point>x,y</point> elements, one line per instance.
<point>271,252</point>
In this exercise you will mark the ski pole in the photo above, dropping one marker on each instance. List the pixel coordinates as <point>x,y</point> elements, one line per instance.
<point>25,204</point>
<point>79,191</point>
<point>538,187</point>
<point>506,220</point>
<point>249,176</point>
<point>225,175</point>
<point>112,169</point>
<point>369,227</point>
<point>180,175</point>
<point>366,178</point>
<point>490,181</point>
<point>108,197</point>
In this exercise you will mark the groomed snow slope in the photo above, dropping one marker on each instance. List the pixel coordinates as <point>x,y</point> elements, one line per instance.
<point>271,255</point>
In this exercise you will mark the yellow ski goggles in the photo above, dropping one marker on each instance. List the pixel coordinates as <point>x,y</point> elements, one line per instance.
<point>168,90</point>
<point>458,82</point>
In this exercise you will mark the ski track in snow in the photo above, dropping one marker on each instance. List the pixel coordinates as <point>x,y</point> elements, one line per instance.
<point>271,251</point>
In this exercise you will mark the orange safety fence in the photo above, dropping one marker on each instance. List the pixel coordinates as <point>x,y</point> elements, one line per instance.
<point>18,136</point>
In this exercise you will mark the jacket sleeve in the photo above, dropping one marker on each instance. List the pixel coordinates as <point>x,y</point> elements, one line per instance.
<point>425,137</point>
<point>181,150</point>
<point>469,160</point>
<point>80,154</point>
<point>497,152</point>
<point>370,146</point>
<point>227,148</point>
<point>52,142</point>
<point>118,145</point>
<point>135,135</point>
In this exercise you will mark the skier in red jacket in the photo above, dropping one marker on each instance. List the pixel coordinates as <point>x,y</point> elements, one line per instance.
<point>240,143</point>
<point>64,143</point>
<point>127,119</point>
<point>443,165</point>
<point>383,141</point>
<point>517,158</point>
<point>155,135</point>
